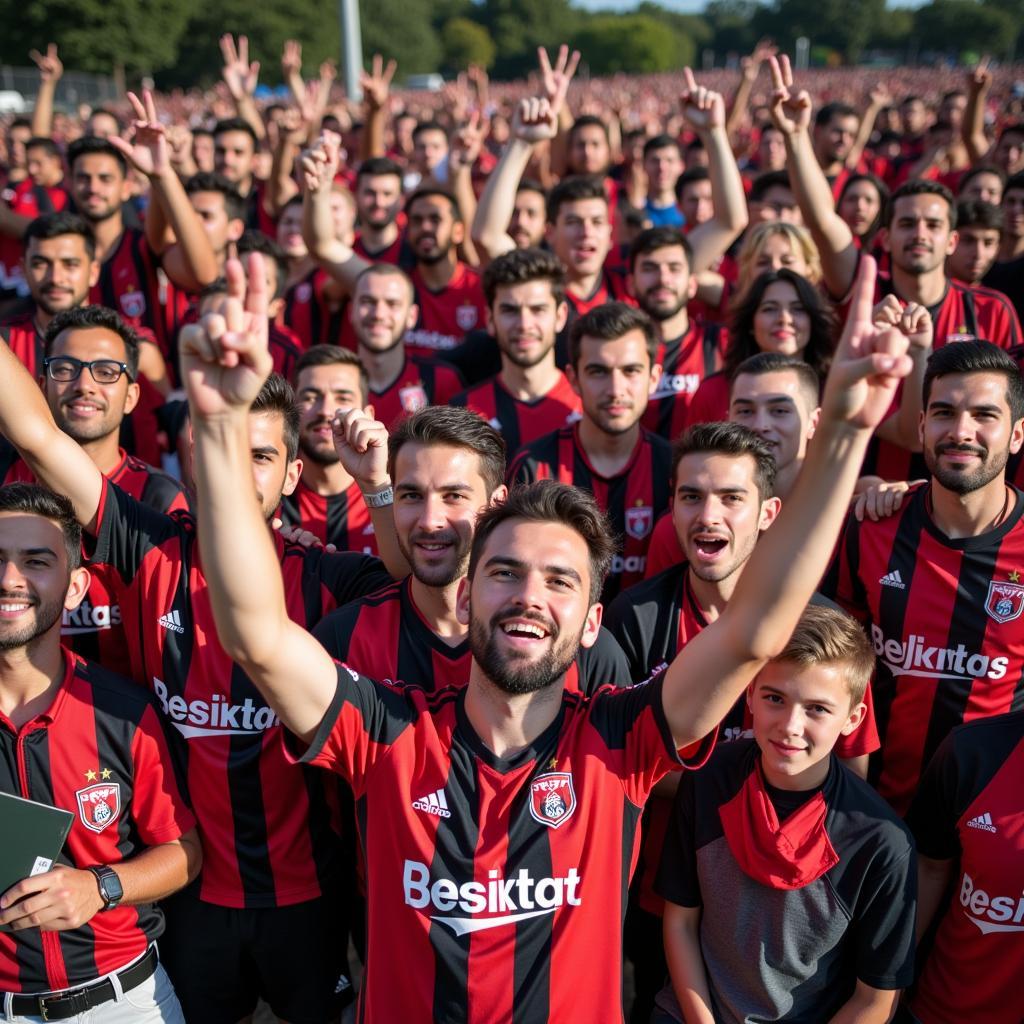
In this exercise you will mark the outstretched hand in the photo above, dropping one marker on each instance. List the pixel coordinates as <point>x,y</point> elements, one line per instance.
<point>703,109</point>
<point>148,152</point>
<point>320,162</point>
<point>225,357</point>
<point>50,67</point>
<point>362,446</point>
<point>376,84</point>
<point>239,75</point>
<point>533,120</point>
<point>557,79</point>
<point>789,113</point>
<point>869,362</point>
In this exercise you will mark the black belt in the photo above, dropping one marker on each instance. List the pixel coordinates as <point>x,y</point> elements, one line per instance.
<point>62,1005</point>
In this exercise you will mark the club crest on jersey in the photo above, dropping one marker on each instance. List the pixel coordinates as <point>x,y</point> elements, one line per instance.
<point>99,805</point>
<point>413,397</point>
<point>466,317</point>
<point>1005,601</point>
<point>552,799</point>
<point>639,521</point>
<point>303,292</point>
<point>133,304</point>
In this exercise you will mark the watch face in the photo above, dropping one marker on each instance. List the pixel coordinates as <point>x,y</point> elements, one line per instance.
<point>110,887</point>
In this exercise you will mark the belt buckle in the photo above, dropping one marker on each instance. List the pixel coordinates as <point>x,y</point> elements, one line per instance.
<point>78,999</point>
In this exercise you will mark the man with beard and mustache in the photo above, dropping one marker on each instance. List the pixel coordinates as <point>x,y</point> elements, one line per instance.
<point>254,807</point>
<point>383,309</point>
<point>327,501</point>
<point>607,452</point>
<point>499,820</point>
<point>80,738</point>
<point>938,582</point>
<point>378,197</point>
<point>526,309</point>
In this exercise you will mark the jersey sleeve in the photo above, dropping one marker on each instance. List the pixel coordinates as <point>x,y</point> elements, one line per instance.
<point>521,469</point>
<point>159,811</point>
<point>884,918</point>
<point>348,575</point>
<point>361,725</point>
<point>127,529</point>
<point>936,807</point>
<point>636,732</point>
<point>621,621</point>
<point>335,630</point>
<point>663,551</point>
<point>677,880</point>
<point>602,664</point>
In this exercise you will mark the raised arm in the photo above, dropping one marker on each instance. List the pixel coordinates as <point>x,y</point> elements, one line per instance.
<point>704,681</point>
<point>224,363</point>
<point>465,147</point>
<point>878,98</point>
<point>914,321</point>
<point>50,71</point>
<point>704,112</point>
<point>292,135</point>
<point>791,114</point>
<point>556,83</point>
<point>57,461</point>
<point>319,166</point>
<point>196,265</point>
<point>749,69</point>
<point>376,86</point>
<point>241,76</point>
<point>973,126</point>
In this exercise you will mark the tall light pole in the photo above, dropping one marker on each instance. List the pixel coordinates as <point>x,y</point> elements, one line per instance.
<point>351,46</point>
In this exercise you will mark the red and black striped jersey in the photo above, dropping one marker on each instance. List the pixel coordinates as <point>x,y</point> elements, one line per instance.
<point>664,550</point>
<point>386,637</point>
<point>969,809</point>
<point>945,618</point>
<point>653,621</point>
<point>519,422</point>
<point>339,519</point>
<point>422,382</point>
<point>19,331</point>
<point>97,751</point>
<point>485,881</point>
<point>632,499</point>
<point>448,315</point>
<point>685,362</point>
<point>397,253</point>
<point>94,629</point>
<point>266,834</point>
<point>129,285</point>
<point>610,287</point>
<point>308,311</point>
<point>710,402</point>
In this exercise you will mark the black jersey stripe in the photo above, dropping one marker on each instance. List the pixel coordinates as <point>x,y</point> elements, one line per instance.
<point>337,520</point>
<point>506,411</point>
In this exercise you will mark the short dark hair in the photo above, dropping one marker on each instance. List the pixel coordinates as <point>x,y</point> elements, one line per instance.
<point>829,636</point>
<point>332,355</point>
<point>883,197</point>
<point>42,142</point>
<point>428,192</point>
<point>652,239</point>
<point>518,266</point>
<point>34,500</point>
<point>973,172</point>
<point>107,112</point>
<point>573,189</point>
<point>256,241</point>
<point>732,440</point>
<point>689,176</point>
<point>83,318</point>
<point>20,122</point>
<point>609,322</point>
<point>531,185</point>
<point>776,362</point>
<point>378,165</point>
<point>768,180</point>
<point>588,121</point>
<point>210,181</point>
<point>835,109</point>
<point>53,225</point>
<point>546,501</point>
<point>236,124</point>
<point>277,396</point>
<point>975,213</point>
<point>742,344</point>
<point>920,187</point>
<point>90,145</point>
<point>1015,182</point>
<point>976,357</point>
<point>453,427</point>
<point>429,126</point>
<point>385,270</point>
<point>662,141</point>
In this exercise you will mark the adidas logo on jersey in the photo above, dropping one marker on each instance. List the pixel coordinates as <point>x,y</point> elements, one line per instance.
<point>984,822</point>
<point>893,579</point>
<point>917,657</point>
<point>508,899</point>
<point>991,913</point>
<point>172,621</point>
<point>434,803</point>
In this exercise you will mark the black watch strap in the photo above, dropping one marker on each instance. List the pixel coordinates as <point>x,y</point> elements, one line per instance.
<point>111,891</point>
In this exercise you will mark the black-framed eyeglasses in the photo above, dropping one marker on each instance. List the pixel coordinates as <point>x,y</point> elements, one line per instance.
<point>65,369</point>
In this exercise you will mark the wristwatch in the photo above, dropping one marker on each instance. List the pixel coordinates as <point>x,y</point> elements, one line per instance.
<point>109,884</point>
<point>380,499</point>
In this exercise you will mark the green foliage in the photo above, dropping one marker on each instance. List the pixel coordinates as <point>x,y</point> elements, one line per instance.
<point>518,27</point>
<point>955,26</point>
<point>465,42</point>
<point>843,25</point>
<point>633,42</point>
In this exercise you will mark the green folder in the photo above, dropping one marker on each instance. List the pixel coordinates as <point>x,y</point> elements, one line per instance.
<point>33,836</point>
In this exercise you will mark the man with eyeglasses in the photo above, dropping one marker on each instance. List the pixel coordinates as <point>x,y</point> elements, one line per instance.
<point>89,375</point>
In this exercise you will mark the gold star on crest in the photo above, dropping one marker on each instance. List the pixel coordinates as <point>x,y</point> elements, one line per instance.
<point>105,773</point>
<point>1015,576</point>
<point>90,776</point>
<point>553,764</point>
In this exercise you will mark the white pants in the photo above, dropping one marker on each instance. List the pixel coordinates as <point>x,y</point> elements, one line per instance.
<point>152,1002</point>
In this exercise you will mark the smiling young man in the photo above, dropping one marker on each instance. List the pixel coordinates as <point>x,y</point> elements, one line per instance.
<point>789,883</point>
<point>500,907</point>
<point>938,584</point>
<point>608,452</point>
